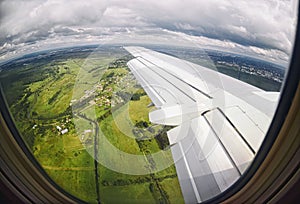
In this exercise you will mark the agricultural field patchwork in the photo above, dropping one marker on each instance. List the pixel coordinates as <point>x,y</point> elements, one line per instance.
<point>60,107</point>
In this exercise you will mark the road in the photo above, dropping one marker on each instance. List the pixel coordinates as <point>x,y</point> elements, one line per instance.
<point>96,142</point>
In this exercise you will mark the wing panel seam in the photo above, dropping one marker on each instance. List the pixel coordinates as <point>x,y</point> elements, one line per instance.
<point>167,80</point>
<point>203,93</point>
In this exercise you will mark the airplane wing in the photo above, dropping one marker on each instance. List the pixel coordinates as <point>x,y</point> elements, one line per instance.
<point>220,121</point>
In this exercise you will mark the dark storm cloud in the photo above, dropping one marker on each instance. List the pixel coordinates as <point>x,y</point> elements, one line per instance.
<point>265,24</point>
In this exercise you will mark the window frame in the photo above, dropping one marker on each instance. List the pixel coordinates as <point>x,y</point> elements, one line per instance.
<point>20,166</point>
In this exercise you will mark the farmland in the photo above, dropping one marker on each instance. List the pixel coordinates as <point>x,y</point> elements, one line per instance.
<point>81,95</point>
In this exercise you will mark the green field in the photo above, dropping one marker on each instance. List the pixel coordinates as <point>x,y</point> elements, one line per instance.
<point>77,95</point>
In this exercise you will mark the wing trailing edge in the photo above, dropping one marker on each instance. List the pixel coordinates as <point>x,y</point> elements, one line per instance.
<point>220,121</point>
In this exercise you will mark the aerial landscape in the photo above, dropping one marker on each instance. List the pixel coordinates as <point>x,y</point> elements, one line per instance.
<point>44,116</point>
<point>62,100</point>
<point>141,101</point>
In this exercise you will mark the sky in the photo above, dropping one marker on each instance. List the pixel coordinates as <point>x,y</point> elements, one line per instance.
<point>261,28</point>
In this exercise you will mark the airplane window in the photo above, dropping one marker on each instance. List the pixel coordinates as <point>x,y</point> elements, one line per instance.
<point>138,101</point>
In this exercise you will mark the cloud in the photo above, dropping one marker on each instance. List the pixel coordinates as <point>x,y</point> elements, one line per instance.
<point>266,25</point>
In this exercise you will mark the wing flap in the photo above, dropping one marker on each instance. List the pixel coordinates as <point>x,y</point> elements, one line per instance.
<point>236,146</point>
<point>220,121</point>
<point>152,92</point>
<point>245,125</point>
<point>209,166</point>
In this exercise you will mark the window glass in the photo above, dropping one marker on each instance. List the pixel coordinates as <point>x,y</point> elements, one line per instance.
<point>138,101</point>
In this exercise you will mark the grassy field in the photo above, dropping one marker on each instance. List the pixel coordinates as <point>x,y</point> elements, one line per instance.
<point>138,110</point>
<point>117,138</point>
<point>81,183</point>
<point>140,193</point>
<point>118,130</point>
<point>44,95</point>
<point>53,97</point>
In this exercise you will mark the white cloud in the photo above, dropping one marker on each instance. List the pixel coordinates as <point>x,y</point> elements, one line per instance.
<point>264,27</point>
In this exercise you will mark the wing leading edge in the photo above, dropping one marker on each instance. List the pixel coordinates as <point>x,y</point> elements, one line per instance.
<point>220,121</point>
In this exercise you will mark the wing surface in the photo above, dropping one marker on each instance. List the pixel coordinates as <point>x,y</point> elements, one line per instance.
<point>220,121</point>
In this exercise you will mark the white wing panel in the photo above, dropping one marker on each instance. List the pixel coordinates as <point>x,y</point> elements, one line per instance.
<point>220,121</point>
<point>152,93</point>
<point>236,146</point>
<point>245,126</point>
